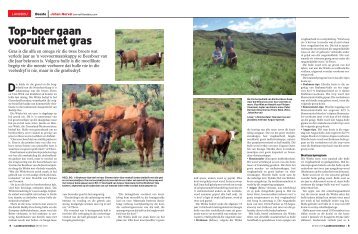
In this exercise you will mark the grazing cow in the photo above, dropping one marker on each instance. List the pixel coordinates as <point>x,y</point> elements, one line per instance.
<point>152,59</point>
<point>75,114</point>
<point>100,143</point>
<point>75,132</point>
<point>223,139</point>
<point>130,56</point>
<point>94,90</point>
<point>144,138</point>
<point>136,110</point>
<point>206,145</point>
<point>120,127</point>
<point>157,125</point>
<point>72,97</point>
<point>114,112</point>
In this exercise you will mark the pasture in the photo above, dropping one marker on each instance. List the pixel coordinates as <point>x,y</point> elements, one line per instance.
<point>147,42</point>
<point>224,114</point>
<point>123,159</point>
<point>255,74</point>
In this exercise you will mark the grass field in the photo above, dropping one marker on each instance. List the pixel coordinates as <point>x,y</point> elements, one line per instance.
<point>121,162</point>
<point>255,74</point>
<point>147,42</point>
<point>224,114</point>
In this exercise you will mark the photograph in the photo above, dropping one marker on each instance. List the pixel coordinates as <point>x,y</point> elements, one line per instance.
<point>112,128</point>
<point>139,55</point>
<point>244,56</point>
<point>217,135</point>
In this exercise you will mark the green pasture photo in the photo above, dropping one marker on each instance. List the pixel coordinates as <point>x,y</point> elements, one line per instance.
<point>224,114</point>
<point>266,64</point>
<point>146,42</point>
<point>124,158</point>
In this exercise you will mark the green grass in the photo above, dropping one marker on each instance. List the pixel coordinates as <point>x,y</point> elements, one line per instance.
<point>123,162</point>
<point>147,42</point>
<point>126,161</point>
<point>224,114</point>
<point>255,74</point>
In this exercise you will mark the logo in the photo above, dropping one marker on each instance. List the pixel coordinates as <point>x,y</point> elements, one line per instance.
<point>19,13</point>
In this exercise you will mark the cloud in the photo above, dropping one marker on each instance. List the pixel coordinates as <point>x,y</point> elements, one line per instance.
<point>231,22</point>
<point>263,24</point>
<point>203,26</point>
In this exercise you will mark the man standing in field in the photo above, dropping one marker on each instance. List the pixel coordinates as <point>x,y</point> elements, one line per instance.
<point>228,45</point>
<point>217,56</point>
<point>219,43</point>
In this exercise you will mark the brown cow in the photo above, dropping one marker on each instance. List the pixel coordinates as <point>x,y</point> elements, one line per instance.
<point>94,90</point>
<point>92,123</point>
<point>206,145</point>
<point>114,112</point>
<point>75,132</point>
<point>100,143</point>
<point>144,138</point>
<point>120,127</point>
<point>157,125</point>
<point>72,97</point>
<point>136,110</point>
<point>130,56</point>
<point>98,113</point>
<point>223,139</point>
<point>73,114</point>
<point>152,59</point>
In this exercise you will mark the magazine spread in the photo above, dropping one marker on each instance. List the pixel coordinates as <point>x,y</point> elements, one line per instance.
<point>145,117</point>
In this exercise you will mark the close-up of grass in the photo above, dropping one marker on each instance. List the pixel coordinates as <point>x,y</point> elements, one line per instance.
<point>123,158</point>
<point>146,42</point>
<point>255,74</point>
<point>224,114</point>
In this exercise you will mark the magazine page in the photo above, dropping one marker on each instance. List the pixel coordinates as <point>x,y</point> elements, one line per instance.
<point>158,117</point>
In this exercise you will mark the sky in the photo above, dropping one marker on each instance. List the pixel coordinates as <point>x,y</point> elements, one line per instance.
<point>256,25</point>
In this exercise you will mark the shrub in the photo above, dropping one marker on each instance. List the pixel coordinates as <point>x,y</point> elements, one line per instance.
<point>128,144</point>
<point>131,40</point>
<point>118,32</point>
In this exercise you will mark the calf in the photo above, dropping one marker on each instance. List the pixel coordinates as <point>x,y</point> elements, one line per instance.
<point>100,143</point>
<point>206,145</point>
<point>72,97</point>
<point>144,138</point>
<point>130,56</point>
<point>223,139</point>
<point>152,59</point>
<point>75,132</point>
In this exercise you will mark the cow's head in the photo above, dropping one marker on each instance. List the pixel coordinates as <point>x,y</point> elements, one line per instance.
<point>120,53</point>
<point>232,134</point>
<point>213,139</point>
<point>140,107</point>
<point>160,54</point>
<point>104,136</point>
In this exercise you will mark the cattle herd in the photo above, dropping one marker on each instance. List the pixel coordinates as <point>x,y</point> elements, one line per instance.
<point>131,56</point>
<point>215,139</point>
<point>103,127</point>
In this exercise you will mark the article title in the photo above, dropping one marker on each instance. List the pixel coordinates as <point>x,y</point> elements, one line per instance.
<point>63,36</point>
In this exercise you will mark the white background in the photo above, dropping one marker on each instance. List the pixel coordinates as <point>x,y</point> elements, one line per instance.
<point>178,176</point>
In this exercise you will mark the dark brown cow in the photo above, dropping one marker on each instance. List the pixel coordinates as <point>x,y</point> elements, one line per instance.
<point>152,59</point>
<point>100,143</point>
<point>72,97</point>
<point>93,121</point>
<point>75,132</point>
<point>223,139</point>
<point>130,56</point>
<point>94,90</point>
<point>114,112</point>
<point>206,145</point>
<point>136,110</point>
